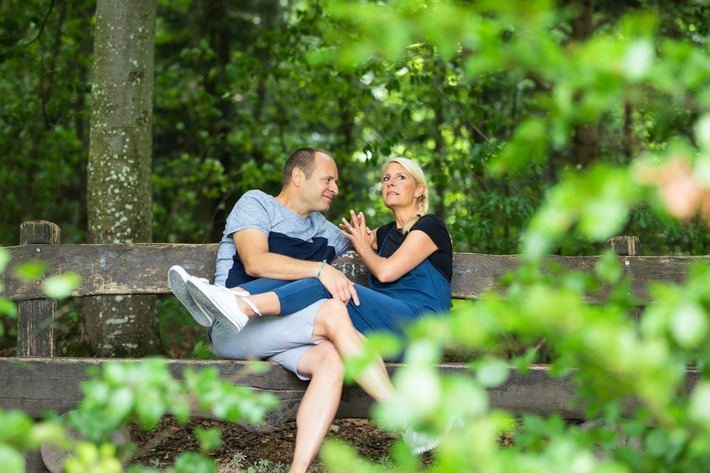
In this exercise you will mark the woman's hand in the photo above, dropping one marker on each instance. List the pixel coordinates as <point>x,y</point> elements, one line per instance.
<point>357,232</point>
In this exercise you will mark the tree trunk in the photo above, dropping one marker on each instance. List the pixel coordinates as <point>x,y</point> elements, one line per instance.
<point>586,135</point>
<point>119,172</point>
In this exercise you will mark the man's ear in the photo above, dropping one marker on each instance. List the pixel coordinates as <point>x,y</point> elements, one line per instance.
<point>297,177</point>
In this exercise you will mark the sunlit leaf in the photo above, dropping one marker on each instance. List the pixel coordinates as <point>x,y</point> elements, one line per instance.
<point>30,271</point>
<point>12,461</point>
<point>492,373</point>
<point>700,403</point>
<point>689,324</point>
<point>638,59</point>
<point>209,439</point>
<point>702,132</point>
<point>4,259</point>
<point>60,287</point>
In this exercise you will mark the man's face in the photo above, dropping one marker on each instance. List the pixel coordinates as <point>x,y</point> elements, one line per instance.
<point>322,186</point>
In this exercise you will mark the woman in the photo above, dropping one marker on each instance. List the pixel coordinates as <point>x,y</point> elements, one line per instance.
<point>410,259</point>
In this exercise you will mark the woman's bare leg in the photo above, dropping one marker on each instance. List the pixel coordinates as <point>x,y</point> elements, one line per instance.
<point>333,323</point>
<point>319,404</point>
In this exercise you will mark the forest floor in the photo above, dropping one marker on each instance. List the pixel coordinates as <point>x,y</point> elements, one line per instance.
<point>242,449</point>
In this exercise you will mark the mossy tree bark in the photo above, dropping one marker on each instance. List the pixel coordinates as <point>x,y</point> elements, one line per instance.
<point>119,171</point>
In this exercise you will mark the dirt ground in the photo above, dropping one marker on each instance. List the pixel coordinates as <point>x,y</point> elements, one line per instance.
<point>242,449</point>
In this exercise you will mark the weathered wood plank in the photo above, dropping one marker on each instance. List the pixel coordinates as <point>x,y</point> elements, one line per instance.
<point>35,327</point>
<point>476,273</point>
<point>40,232</point>
<point>36,385</point>
<point>35,317</point>
<point>142,268</point>
<point>109,269</point>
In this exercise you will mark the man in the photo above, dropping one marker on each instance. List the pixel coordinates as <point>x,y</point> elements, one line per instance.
<point>287,237</point>
<point>269,241</point>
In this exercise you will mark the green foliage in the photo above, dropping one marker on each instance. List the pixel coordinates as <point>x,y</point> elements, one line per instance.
<point>468,95</point>
<point>630,377</point>
<point>21,433</point>
<point>125,392</point>
<point>7,308</point>
<point>58,287</point>
<point>146,391</point>
<point>538,136</point>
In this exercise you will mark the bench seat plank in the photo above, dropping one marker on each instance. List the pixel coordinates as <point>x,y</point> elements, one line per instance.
<point>36,385</point>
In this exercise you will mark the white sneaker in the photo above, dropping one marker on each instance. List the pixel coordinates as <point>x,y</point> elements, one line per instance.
<point>177,279</point>
<point>219,302</point>
<point>418,442</point>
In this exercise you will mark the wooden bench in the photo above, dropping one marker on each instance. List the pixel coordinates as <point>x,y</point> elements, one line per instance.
<point>36,381</point>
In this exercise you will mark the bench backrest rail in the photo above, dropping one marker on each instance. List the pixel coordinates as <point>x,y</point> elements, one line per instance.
<point>141,268</point>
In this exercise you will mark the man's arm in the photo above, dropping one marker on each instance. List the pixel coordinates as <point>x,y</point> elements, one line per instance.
<point>253,249</point>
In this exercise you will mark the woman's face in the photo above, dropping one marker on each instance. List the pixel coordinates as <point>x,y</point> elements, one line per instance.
<point>398,187</point>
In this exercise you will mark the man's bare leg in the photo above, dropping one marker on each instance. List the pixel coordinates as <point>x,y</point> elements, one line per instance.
<point>319,404</point>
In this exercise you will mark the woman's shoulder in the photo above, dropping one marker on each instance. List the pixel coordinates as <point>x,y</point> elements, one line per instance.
<point>430,221</point>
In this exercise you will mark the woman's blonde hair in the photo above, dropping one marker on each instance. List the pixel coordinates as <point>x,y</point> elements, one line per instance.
<point>420,180</point>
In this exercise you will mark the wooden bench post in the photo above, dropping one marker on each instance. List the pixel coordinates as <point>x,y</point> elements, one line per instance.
<point>35,318</point>
<point>627,246</point>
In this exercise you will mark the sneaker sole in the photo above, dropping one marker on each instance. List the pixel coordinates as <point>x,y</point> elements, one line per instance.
<point>215,308</point>
<point>177,279</point>
<point>419,444</point>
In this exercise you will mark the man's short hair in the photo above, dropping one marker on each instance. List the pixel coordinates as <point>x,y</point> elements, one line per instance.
<point>303,159</point>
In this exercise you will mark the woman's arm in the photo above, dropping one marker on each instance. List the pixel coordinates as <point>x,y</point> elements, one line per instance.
<point>417,247</point>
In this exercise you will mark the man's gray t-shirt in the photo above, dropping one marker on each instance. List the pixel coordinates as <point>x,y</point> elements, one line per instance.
<point>312,238</point>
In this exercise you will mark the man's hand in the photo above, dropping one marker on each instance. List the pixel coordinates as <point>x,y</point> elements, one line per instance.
<point>339,286</point>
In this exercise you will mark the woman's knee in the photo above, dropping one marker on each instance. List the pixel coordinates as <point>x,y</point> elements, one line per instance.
<point>324,358</point>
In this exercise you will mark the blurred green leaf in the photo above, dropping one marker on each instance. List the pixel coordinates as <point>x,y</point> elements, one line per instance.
<point>702,132</point>
<point>11,460</point>
<point>608,268</point>
<point>4,259</point>
<point>31,271</point>
<point>7,308</point>
<point>638,59</point>
<point>61,287</point>
<point>529,145</point>
<point>689,324</point>
<point>209,439</point>
<point>193,463</point>
<point>492,373</point>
